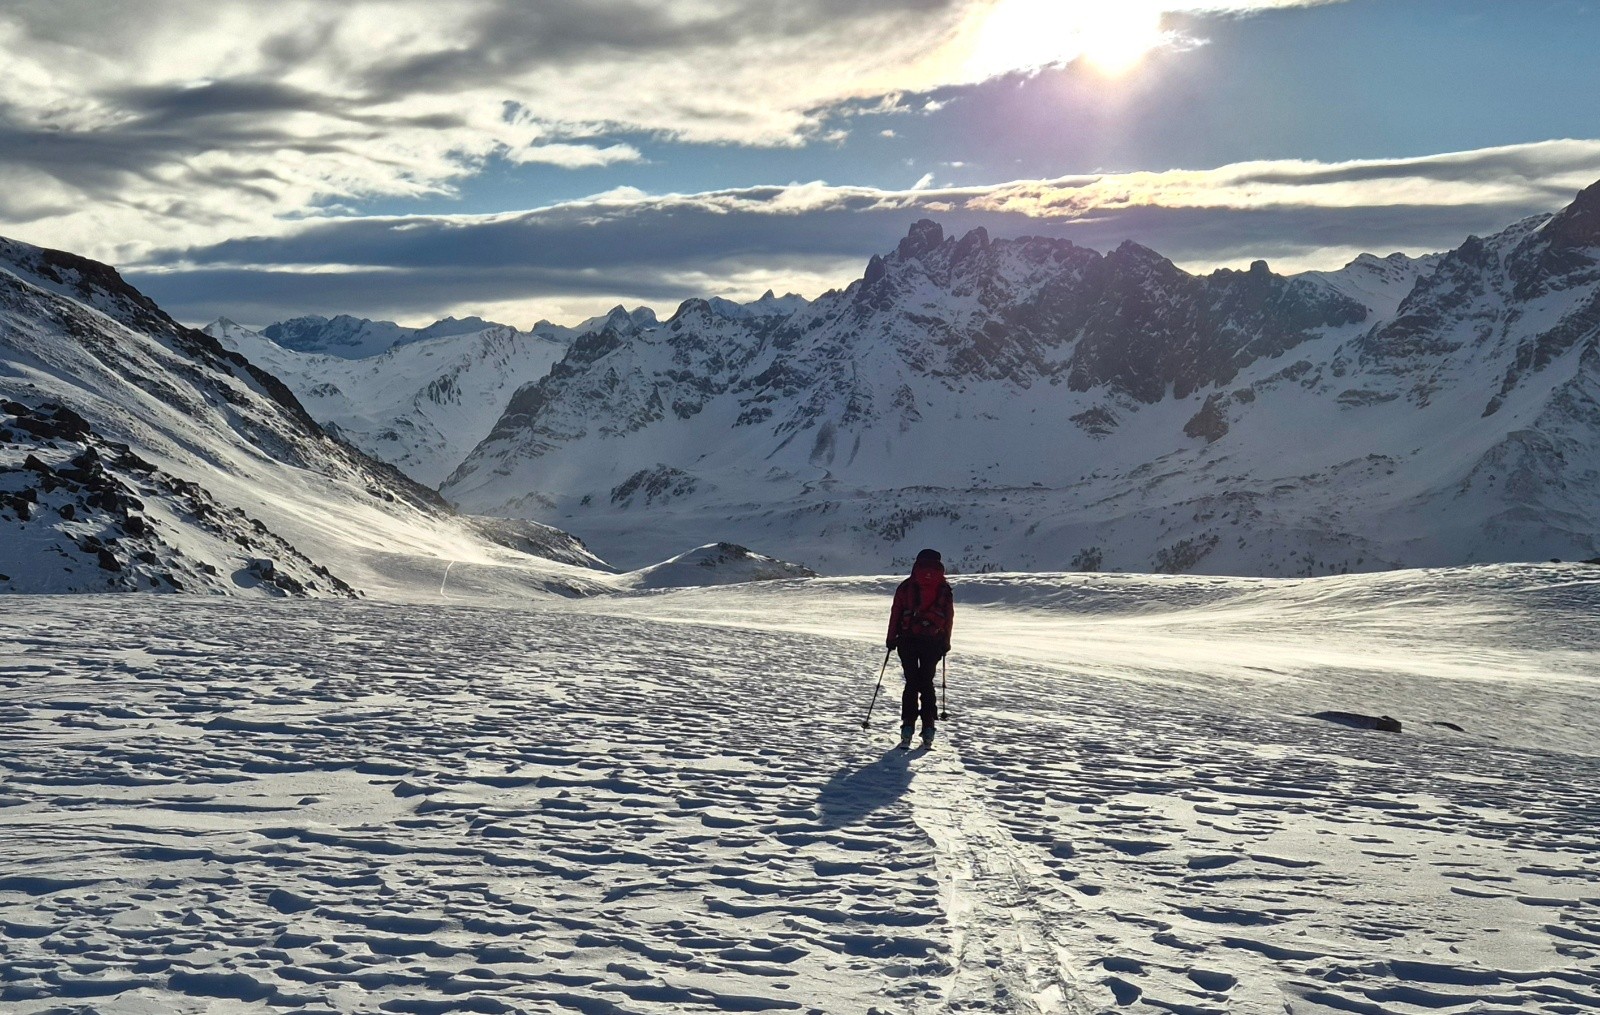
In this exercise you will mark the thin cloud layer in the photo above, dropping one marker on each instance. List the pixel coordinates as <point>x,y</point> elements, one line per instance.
<point>575,259</point>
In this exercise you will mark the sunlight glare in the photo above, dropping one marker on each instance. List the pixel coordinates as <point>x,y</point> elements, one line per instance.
<point>1111,36</point>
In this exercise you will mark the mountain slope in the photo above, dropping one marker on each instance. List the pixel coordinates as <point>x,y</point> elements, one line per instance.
<point>421,405</point>
<point>1029,404</point>
<point>136,453</point>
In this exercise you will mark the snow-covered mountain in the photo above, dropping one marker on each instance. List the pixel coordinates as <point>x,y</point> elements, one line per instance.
<point>350,337</point>
<point>139,454</point>
<point>1030,404</point>
<point>421,405</point>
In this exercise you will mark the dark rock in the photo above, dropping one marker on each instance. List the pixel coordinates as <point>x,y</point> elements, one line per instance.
<point>133,463</point>
<point>1211,422</point>
<point>1447,725</point>
<point>971,244</point>
<point>1355,720</point>
<point>48,429</point>
<point>21,503</point>
<point>109,561</point>
<point>1097,422</point>
<point>876,269</point>
<point>71,421</point>
<point>68,511</point>
<point>924,238</point>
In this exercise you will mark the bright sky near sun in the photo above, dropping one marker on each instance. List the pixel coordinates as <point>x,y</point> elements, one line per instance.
<point>408,158</point>
<point>1111,37</point>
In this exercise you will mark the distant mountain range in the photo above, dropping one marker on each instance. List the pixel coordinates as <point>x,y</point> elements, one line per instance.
<point>1019,403</point>
<point>1030,404</point>
<point>347,337</point>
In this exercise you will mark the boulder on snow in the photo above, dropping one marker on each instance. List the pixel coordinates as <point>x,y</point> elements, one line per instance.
<point>1355,720</point>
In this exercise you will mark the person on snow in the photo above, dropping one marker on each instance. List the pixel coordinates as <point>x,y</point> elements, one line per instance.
<point>919,629</point>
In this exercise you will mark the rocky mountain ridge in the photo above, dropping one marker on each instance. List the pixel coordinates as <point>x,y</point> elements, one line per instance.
<point>1031,404</point>
<point>137,454</point>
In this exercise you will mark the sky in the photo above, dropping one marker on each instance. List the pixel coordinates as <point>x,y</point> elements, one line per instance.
<point>550,159</point>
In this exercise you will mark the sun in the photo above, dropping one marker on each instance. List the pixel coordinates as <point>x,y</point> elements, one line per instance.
<point>1112,36</point>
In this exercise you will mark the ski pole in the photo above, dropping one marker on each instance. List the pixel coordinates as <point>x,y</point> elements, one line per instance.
<point>882,670</point>
<point>944,691</point>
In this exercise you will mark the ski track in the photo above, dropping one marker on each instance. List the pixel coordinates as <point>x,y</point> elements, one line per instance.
<point>215,806</point>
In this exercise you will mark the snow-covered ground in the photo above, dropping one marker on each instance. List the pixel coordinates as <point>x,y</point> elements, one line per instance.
<point>665,801</point>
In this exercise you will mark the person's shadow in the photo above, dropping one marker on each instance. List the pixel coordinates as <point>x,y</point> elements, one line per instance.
<point>853,793</point>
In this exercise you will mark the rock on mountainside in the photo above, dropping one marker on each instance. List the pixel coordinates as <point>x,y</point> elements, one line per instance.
<point>1030,404</point>
<point>138,454</point>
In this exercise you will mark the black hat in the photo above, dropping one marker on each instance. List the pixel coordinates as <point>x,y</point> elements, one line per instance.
<point>928,557</point>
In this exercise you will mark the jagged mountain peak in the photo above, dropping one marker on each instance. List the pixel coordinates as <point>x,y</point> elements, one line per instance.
<point>1577,225</point>
<point>924,237</point>
<point>1129,254</point>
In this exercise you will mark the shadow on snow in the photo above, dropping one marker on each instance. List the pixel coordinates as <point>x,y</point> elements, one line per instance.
<point>855,792</point>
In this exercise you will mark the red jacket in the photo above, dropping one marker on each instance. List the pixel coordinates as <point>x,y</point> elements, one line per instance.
<point>923,607</point>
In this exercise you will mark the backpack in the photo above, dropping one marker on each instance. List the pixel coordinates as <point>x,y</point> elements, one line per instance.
<point>927,620</point>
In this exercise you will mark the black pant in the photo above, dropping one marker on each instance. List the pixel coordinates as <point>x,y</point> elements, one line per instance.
<point>920,659</point>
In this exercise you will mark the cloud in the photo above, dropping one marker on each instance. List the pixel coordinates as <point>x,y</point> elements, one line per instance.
<point>572,260</point>
<point>125,125</point>
<point>1510,176</point>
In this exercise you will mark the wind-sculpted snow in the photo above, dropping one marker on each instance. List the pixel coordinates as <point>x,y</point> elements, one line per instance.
<point>211,805</point>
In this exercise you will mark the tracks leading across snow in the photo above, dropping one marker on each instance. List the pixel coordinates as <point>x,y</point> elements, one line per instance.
<point>231,806</point>
<point>1008,917</point>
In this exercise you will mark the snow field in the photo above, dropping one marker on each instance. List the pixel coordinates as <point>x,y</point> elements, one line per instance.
<point>665,803</point>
